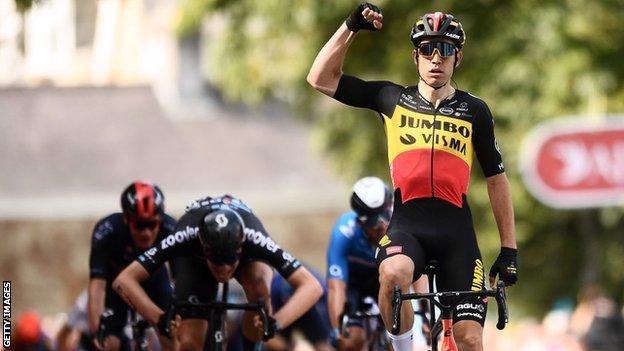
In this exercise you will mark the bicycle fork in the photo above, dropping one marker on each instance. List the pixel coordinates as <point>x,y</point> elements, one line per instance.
<point>448,341</point>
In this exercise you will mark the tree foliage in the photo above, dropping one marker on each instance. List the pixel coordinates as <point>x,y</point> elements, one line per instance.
<point>530,60</point>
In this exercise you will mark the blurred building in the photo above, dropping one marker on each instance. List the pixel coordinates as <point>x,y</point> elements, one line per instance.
<point>94,94</point>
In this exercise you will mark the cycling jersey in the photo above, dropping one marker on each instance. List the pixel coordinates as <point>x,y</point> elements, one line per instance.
<point>257,246</point>
<point>430,149</point>
<point>351,258</point>
<point>112,248</point>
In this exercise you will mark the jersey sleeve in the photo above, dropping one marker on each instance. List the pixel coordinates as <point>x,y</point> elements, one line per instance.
<point>337,265</point>
<point>100,243</point>
<point>259,246</point>
<point>183,242</point>
<point>484,142</point>
<point>380,96</point>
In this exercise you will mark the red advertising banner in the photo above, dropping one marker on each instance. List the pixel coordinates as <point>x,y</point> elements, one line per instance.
<point>576,162</point>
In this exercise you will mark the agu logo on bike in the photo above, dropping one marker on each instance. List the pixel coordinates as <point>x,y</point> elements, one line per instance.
<point>6,314</point>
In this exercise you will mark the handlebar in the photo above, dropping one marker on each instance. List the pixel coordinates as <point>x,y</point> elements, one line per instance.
<point>499,294</point>
<point>204,310</point>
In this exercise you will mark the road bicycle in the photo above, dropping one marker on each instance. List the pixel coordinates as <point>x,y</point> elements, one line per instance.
<point>375,331</point>
<point>443,325</point>
<point>215,313</point>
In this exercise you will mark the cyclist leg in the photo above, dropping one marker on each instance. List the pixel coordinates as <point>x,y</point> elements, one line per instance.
<point>461,269</point>
<point>255,278</point>
<point>401,261</point>
<point>158,288</point>
<point>195,284</point>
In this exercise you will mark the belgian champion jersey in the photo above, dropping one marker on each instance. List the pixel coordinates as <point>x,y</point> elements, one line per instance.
<point>430,150</point>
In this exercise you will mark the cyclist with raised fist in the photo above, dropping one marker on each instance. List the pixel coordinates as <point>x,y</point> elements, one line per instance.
<point>433,132</point>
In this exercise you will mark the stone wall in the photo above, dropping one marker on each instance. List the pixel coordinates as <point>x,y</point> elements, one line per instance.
<point>47,261</point>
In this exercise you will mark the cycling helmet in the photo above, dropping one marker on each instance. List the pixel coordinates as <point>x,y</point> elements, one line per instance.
<point>142,200</point>
<point>438,25</point>
<point>371,199</point>
<point>221,234</point>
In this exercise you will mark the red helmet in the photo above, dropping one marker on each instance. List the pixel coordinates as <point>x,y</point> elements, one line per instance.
<point>142,200</point>
<point>28,328</point>
<point>438,25</point>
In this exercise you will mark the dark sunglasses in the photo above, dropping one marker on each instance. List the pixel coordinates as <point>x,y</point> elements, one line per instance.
<point>373,221</point>
<point>444,49</point>
<point>221,260</point>
<point>140,225</point>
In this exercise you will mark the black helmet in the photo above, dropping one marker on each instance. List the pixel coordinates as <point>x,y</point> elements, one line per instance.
<point>142,200</point>
<point>438,25</point>
<point>221,234</point>
<point>371,199</point>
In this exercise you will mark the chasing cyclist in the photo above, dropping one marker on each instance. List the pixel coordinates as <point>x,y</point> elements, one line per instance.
<point>433,130</point>
<point>351,269</point>
<point>215,240</point>
<point>118,239</point>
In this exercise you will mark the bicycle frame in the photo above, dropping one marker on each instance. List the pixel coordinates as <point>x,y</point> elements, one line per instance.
<point>379,341</point>
<point>445,323</point>
<point>214,313</point>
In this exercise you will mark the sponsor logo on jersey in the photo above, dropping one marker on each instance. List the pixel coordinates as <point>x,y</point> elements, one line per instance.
<point>335,271</point>
<point>393,250</point>
<point>477,278</point>
<point>187,234</point>
<point>260,239</point>
<point>384,241</point>
<point>348,229</point>
<point>469,314</point>
<point>447,111</point>
<point>471,306</point>
<point>408,130</point>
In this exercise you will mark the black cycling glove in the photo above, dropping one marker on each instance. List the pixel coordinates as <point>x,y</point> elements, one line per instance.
<point>505,266</point>
<point>356,21</point>
<point>273,329</point>
<point>164,322</point>
<point>105,326</point>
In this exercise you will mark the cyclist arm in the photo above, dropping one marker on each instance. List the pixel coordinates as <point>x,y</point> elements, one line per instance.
<point>499,192</point>
<point>128,286</point>
<point>336,298</point>
<point>326,69</point>
<point>338,268</point>
<point>99,272</point>
<point>491,161</point>
<point>95,305</point>
<point>307,292</point>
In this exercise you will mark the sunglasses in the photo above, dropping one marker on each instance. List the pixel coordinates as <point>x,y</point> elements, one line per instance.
<point>444,49</point>
<point>373,221</point>
<point>140,225</point>
<point>221,260</point>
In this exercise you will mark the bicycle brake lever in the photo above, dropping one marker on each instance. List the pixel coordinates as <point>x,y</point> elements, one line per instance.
<point>396,310</point>
<point>267,333</point>
<point>501,301</point>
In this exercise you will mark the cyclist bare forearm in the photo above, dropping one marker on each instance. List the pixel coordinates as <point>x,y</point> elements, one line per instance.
<point>326,69</point>
<point>499,192</point>
<point>336,298</point>
<point>127,285</point>
<point>307,292</point>
<point>95,306</point>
